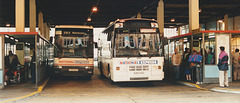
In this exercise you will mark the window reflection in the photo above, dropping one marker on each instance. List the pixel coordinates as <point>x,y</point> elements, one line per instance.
<point>131,41</point>
<point>210,48</point>
<point>75,46</point>
<point>137,45</point>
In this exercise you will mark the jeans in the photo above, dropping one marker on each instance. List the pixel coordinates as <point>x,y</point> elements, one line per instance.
<point>199,73</point>
<point>177,72</point>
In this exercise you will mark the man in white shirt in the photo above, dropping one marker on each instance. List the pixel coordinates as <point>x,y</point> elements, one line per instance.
<point>176,60</point>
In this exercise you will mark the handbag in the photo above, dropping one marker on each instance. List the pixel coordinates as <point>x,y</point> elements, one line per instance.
<point>192,64</point>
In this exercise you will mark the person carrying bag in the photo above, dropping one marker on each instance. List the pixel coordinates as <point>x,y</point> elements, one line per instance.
<point>195,63</point>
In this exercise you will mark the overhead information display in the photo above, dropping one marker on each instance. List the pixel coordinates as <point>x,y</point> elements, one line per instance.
<point>72,31</point>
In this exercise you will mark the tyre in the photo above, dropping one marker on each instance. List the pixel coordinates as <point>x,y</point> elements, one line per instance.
<point>89,77</point>
<point>101,70</point>
<point>112,82</point>
<point>109,73</point>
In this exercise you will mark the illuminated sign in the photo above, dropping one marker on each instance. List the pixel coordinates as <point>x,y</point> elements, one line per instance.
<point>73,31</point>
<point>140,62</point>
<point>19,46</point>
<point>148,30</point>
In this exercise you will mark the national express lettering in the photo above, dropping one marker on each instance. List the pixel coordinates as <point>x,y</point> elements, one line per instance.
<point>76,61</point>
<point>140,62</point>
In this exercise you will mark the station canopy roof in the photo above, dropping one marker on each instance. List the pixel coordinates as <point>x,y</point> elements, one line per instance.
<point>76,12</point>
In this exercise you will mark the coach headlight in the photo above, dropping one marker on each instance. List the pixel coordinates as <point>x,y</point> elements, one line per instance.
<point>58,67</point>
<point>155,67</point>
<point>88,67</point>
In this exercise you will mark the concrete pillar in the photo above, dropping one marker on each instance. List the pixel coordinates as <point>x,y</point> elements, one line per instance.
<point>226,21</point>
<point>20,15</point>
<point>32,15</point>
<point>1,61</point>
<point>179,30</point>
<point>139,15</point>
<point>48,32</point>
<point>45,30</point>
<point>40,22</point>
<point>193,15</point>
<point>160,17</point>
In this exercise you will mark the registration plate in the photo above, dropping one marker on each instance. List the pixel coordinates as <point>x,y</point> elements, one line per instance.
<point>138,72</point>
<point>74,70</point>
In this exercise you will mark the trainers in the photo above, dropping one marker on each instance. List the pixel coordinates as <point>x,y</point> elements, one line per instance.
<point>197,83</point>
<point>201,82</point>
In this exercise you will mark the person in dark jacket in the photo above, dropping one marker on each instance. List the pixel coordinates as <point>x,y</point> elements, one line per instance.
<point>11,62</point>
<point>223,68</point>
<point>186,64</point>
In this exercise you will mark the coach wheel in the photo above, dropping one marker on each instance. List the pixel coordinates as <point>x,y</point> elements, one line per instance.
<point>101,70</point>
<point>109,73</point>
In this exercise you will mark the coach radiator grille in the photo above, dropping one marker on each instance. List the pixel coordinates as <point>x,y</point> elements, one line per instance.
<point>145,68</point>
<point>138,68</point>
<point>131,68</point>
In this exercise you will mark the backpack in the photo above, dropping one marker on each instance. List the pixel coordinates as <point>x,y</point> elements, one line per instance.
<point>209,58</point>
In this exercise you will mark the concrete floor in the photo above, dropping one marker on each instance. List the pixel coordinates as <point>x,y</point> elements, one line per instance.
<point>17,90</point>
<point>98,90</point>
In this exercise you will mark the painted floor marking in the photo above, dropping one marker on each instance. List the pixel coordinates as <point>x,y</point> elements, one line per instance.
<point>194,85</point>
<point>40,88</point>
